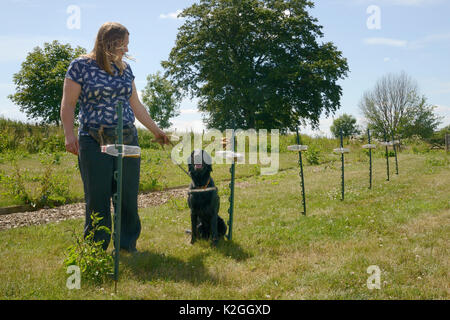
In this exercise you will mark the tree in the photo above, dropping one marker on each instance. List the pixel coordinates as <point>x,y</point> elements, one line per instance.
<point>420,120</point>
<point>345,123</point>
<point>388,106</point>
<point>438,137</point>
<point>256,63</point>
<point>161,99</point>
<point>39,83</point>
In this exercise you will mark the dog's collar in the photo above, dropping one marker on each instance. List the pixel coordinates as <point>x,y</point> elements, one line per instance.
<point>206,185</point>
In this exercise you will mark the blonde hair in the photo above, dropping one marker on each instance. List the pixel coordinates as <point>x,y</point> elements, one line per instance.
<point>110,37</point>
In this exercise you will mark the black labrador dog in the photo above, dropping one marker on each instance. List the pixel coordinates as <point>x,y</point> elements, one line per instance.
<point>203,200</point>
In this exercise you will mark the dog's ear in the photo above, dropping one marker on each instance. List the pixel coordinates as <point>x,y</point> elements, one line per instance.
<point>206,158</point>
<point>189,160</point>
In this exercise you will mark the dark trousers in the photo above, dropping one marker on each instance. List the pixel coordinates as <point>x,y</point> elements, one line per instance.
<point>97,172</point>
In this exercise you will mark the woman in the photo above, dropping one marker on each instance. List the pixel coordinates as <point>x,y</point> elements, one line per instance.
<point>100,81</point>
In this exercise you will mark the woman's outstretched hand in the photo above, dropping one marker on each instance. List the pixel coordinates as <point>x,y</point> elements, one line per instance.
<point>161,138</point>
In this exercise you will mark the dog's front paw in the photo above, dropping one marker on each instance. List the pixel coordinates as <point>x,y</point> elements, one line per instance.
<point>193,240</point>
<point>215,242</point>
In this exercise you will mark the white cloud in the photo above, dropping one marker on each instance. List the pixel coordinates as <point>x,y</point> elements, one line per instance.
<point>189,111</point>
<point>187,126</point>
<point>408,3</point>
<point>442,109</point>
<point>444,112</point>
<point>433,38</point>
<point>412,2</point>
<point>413,44</point>
<point>444,87</point>
<point>171,15</point>
<point>29,3</point>
<point>436,85</point>
<point>386,42</point>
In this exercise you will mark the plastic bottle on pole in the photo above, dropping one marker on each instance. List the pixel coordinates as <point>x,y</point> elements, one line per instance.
<point>128,151</point>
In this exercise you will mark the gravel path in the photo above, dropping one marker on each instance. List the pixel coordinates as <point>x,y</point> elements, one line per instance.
<point>76,210</point>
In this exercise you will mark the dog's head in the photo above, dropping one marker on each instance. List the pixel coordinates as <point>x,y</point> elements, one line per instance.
<point>200,166</point>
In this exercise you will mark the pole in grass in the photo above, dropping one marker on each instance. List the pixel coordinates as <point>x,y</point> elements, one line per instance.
<point>370,147</point>
<point>118,196</point>
<point>298,147</point>
<point>394,143</point>
<point>232,171</point>
<point>119,150</point>
<point>342,160</point>
<point>342,150</point>
<point>231,154</point>
<point>386,144</point>
<point>234,156</point>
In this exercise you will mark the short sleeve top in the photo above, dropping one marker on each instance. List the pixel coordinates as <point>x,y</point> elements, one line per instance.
<point>101,92</point>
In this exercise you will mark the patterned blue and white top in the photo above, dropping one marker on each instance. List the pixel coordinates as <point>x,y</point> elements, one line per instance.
<point>100,93</point>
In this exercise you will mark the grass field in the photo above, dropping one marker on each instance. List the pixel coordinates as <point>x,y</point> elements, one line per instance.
<point>401,226</point>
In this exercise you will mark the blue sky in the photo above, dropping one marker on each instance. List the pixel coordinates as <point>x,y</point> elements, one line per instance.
<point>402,35</point>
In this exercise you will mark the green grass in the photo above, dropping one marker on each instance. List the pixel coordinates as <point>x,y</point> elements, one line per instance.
<point>402,226</point>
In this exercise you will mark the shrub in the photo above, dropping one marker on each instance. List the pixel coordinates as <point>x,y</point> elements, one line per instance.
<point>95,263</point>
<point>152,167</point>
<point>50,189</point>
<point>313,155</point>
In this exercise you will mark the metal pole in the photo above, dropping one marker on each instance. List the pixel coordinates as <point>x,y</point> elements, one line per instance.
<point>342,160</point>
<point>387,155</point>
<point>117,198</point>
<point>395,152</point>
<point>301,174</point>
<point>370,160</point>
<point>232,171</point>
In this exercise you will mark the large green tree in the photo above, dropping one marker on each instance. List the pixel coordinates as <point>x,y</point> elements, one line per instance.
<point>258,63</point>
<point>39,83</point>
<point>161,99</point>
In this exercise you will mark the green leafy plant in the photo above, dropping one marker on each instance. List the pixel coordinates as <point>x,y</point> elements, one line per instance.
<point>46,189</point>
<point>152,167</point>
<point>14,184</point>
<point>436,161</point>
<point>313,155</point>
<point>95,263</point>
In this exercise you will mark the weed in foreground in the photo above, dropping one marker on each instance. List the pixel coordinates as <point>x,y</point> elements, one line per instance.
<point>95,263</point>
